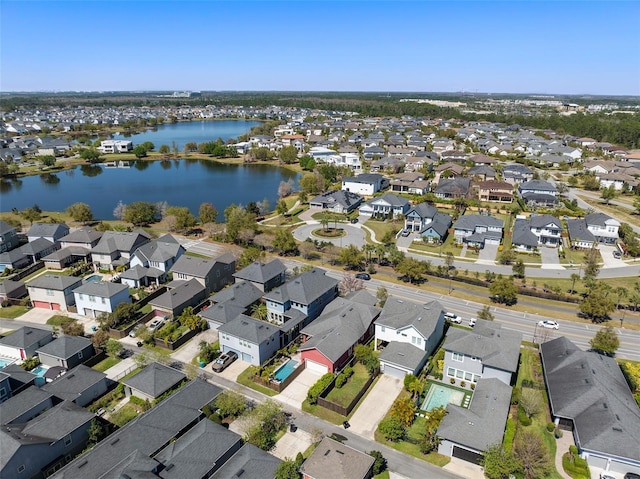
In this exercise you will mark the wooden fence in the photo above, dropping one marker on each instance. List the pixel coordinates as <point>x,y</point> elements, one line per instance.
<point>342,410</point>
<point>280,386</point>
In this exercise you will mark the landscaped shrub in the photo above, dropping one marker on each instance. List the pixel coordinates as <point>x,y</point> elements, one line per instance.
<point>452,380</point>
<point>515,396</point>
<point>463,384</point>
<point>391,428</point>
<point>573,450</point>
<point>558,433</point>
<point>522,417</point>
<point>473,386</point>
<point>551,427</point>
<point>341,380</point>
<point>320,385</point>
<point>575,466</point>
<point>509,435</point>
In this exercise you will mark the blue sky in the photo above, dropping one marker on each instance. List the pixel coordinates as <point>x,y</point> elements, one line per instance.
<point>584,47</point>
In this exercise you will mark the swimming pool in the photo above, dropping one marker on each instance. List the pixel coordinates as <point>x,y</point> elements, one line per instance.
<point>40,370</point>
<point>5,362</point>
<point>93,278</point>
<point>440,396</point>
<point>284,371</point>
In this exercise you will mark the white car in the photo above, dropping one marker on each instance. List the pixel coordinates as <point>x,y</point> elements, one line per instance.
<point>472,322</point>
<point>156,324</point>
<point>547,323</point>
<point>453,317</point>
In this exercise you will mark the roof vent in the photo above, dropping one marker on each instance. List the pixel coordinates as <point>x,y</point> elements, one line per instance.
<point>114,441</point>
<point>327,452</point>
<point>83,463</point>
<point>240,472</point>
<point>616,428</point>
<point>419,318</point>
<point>170,466</point>
<point>604,405</point>
<point>340,452</point>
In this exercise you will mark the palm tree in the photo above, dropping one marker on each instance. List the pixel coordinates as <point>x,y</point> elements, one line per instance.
<point>381,252</point>
<point>574,277</point>
<point>368,250</point>
<point>622,293</point>
<point>259,311</point>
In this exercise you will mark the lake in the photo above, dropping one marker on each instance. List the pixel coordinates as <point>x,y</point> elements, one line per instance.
<point>183,182</point>
<point>196,131</point>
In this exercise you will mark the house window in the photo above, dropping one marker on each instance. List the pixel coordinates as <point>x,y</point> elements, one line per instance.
<point>80,297</point>
<point>49,292</point>
<point>80,355</point>
<point>67,440</point>
<point>459,373</point>
<point>218,274</point>
<point>3,393</point>
<point>457,357</point>
<point>467,376</point>
<point>104,301</point>
<point>451,372</point>
<point>92,299</point>
<point>382,329</point>
<point>476,378</point>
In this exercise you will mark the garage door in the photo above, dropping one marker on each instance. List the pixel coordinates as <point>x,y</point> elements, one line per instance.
<point>41,304</point>
<point>317,367</point>
<point>55,306</point>
<point>247,357</point>
<point>393,371</point>
<point>226,349</point>
<point>467,455</point>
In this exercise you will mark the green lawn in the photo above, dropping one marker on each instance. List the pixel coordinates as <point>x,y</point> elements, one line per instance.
<point>244,378</point>
<point>380,228</point>
<point>106,363</point>
<point>125,414</point>
<point>59,320</point>
<point>344,395</point>
<point>12,312</point>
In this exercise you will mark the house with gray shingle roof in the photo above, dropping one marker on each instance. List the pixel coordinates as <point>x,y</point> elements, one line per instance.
<point>49,231</point>
<point>254,341</point>
<point>264,276</point>
<point>416,327</point>
<point>466,433</point>
<point>214,274</point>
<point>385,206</point>
<point>516,174</point>
<point>478,230</point>
<point>252,461</point>
<point>24,342</point>
<point>10,289</point>
<point>453,188</point>
<point>589,396</point>
<point>30,403</point>
<point>98,297</point>
<point>81,385</point>
<point>425,219</point>
<point>115,248</point>
<point>579,234</point>
<point>8,237</point>
<point>329,341</point>
<point>231,302</point>
<point>85,237</point>
<point>52,291</point>
<point>66,351</point>
<point>489,351</point>
<point>160,253</point>
<point>338,201</point>
<point>153,381</point>
<point>14,259</point>
<point>546,228</point>
<point>179,295</point>
<point>332,460</point>
<point>603,227</point>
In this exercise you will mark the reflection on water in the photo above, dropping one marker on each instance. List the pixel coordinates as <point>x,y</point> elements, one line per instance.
<point>91,170</point>
<point>50,179</point>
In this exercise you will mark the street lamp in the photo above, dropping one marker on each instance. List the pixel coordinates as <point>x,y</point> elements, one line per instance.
<point>535,332</point>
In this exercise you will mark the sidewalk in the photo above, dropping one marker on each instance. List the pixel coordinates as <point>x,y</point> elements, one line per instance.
<point>562,446</point>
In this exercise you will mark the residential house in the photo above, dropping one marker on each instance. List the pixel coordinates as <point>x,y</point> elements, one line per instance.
<point>482,173</point>
<point>179,295</point>
<point>373,152</point>
<point>81,385</point>
<point>425,219</point>
<point>66,351</point>
<point>254,462</point>
<point>480,160</point>
<point>98,297</point>
<point>447,170</point>
<point>332,460</point>
<point>409,333</point>
<point>19,380</point>
<point>44,443</point>
<point>139,277</point>
<point>252,340</point>
<point>388,163</point>
<point>115,248</point>
<point>478,230</point>
<point>264,276</point>
<point>488,351</point>
<point>546,228</point>
<point>157,257</point>
<point>517,174</point>
<point>8,237</point>
<point>115,146</point>
<point>5,386</point>
<point>153,381</point>
<point>453,188</point>
<point>85,237</point>
<point>466,433</point>
<point>66,256</point>
<point>364,184</point>
<point>53,232</point>
<point>603,227</point>
<point>410,183</point>
<point>619,181</point>
<point>538,193</point>
<point>213,274</point>
<point>14,259</point>
<point>454,156</point>
<point>52,291</point>
<point>495,191</point>
<point>337,201</point>
<point>231,302</point>
<point>590,398</point>
<point>24,342</point>
<point>10,289</point>
<point>329,341</point>
<point>37,249</point>
<point>387,206</point>
<point>131,449</point>
<point>579,234</point>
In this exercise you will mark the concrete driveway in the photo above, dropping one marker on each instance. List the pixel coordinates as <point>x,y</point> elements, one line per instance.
<point>291,444</point>
<point>296,392</point>
<point>234,369</point>
<point>606,252</point>
<point>374,407</point>
<point>487,255</point>
<point>39,315</point>
<point>549,257</point>
<point>191,349</point>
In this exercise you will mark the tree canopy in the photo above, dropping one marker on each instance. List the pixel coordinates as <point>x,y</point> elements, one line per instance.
<point>140,213</point>
<point>80,212</point>
<point>605,341</point>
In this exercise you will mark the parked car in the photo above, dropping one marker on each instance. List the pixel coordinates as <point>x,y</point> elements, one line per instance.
<point>354,220</point>
<point>364,276</point>
<point>156,324</point>
<point>472,322</point>
<point>405,233</point>
<point>616,254</point>
<point>135,331</point>
<point>606,476</point>
<point>631,475</point>
<point>453,317</point>
<point>549,324</point>
<point>224,361</point>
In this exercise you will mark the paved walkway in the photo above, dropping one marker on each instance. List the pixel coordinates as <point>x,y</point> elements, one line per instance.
<point>191,349</point>
<point>375,406</point>
<point>562,446</point>
<point>121,369</point>
<point>296,392</point>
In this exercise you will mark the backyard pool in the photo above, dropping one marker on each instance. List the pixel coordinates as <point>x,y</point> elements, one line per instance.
<point>5,362</point>
<point>93,278</point>
<point>40,370</point>
<point>440,395</point>
<point>284,371</point>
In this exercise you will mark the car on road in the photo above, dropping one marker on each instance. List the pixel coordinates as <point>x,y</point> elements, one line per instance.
<point>365,276</point>
<point>354,220</point>
<point>406,233</point>
<point>135,331</point>
<point>472,322</point>
<point>453,317</point>
<point>156,324</point>
<point>606,476</point>
<point>224,361</point>
<point>549,324</point>
<point>631,475</point>
<point>617,255</point>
